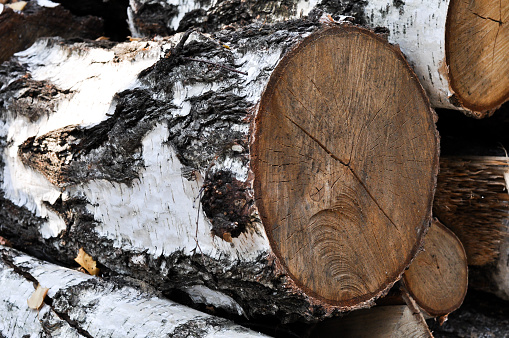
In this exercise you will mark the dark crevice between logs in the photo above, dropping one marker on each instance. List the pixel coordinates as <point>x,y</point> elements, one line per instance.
<point>112,12</point>
<point>461,135</point>
<point>47,300</point>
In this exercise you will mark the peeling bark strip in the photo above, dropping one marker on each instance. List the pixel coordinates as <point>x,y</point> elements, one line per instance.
<point>153,176</point>
<point>77,305</point>
<point>457,48</point>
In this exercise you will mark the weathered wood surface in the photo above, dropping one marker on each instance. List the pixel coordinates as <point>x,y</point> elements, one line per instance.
<point>152,175</point>
<point>20,29</point>
<point>457,48</point>
<point>79,305</point>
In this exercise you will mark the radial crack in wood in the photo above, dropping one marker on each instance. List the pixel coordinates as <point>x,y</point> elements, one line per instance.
<point>337,154</point>
<point>152,177</point>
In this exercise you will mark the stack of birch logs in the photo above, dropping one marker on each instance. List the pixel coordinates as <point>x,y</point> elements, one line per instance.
<point>248,168</point>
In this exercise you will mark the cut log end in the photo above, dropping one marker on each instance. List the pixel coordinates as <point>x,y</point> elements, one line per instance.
<point>345,157</point>
<point>438,277</point>
<point>477,39</point>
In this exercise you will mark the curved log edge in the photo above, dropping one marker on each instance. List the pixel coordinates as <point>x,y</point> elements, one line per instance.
<point>20,29</point>
<point>79,305</point>
<point>317,165</point>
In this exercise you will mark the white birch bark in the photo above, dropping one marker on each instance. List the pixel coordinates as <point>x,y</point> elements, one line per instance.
<point>79,305</point>
<point>417,26</point>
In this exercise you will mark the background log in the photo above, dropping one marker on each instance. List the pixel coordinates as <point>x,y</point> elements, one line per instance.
<point>456,48</point>
<point>154,180</point>
<point>437,279</point>
<point>472,198</point>
<point>381,321</point>
<point>79,305</point>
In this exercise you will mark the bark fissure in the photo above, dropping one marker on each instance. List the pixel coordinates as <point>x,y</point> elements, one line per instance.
<point>47,300</point>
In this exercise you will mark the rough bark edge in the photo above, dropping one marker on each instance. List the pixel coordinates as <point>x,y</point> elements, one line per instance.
<point>473,110</point>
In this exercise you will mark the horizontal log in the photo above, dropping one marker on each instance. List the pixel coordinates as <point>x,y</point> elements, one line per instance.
<point>381,321</point>
<point>456,48</point>
<point>171,172</point>
<point>79,305</point>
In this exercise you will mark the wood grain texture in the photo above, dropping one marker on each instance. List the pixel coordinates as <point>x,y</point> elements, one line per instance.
<point>437,279</point>
<point>345,158</point>
<point>477,44</point>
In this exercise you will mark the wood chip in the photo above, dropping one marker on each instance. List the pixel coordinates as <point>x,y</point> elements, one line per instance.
<point>87,262</point>
<point>36,300</point>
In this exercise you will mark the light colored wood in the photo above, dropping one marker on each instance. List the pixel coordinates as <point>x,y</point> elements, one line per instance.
<point>477,45</point>
<point>396,321</point>
<point>437,279</point>
<point>343,176</point>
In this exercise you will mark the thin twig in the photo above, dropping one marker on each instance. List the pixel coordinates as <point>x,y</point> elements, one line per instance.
<point>216,64</point>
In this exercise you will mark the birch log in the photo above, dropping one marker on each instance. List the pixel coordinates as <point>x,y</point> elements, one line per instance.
<point>397,321</point>
<point>472,200</point>
<point>79,305</point>
<point>250,174</point>
<point>457,48</point>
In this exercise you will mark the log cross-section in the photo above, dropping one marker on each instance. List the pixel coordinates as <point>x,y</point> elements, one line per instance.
<point>344,160</point>
<point>476,44</point>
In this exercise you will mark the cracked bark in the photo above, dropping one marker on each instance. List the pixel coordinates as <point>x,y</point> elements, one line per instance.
<point>153,175</point>
<point>77,304</point>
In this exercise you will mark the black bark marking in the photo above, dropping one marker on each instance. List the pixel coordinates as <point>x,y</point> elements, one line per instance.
<point>109,150</point>
<point>226,203</point>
